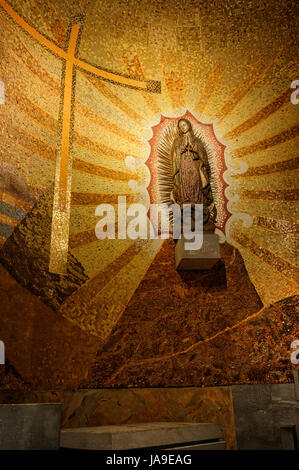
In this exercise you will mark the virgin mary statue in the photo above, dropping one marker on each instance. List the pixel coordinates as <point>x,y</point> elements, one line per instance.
<point>191,174</point>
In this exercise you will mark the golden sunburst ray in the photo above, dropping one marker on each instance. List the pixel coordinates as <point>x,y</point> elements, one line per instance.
<point>31,109</point>
<point>107,284</point>
<point>281,245</point>
<point>99,148</point>
<point>260,115</point>
<point>24,55</point>
<point>28,141</point>
<point>269,182</point>
<point>209,88</point>
<point>96,256</point>
<point>277,209</point>
<point>135,69</point>
<point>97,282</point>
<point>264,144</point>
<point>115,296</point>
<point>173,75</point>
<point>94,199</point>
<point>21,160</point>
<point>284,227</point>
<point>99,170</point>
<point>83,238</point>
<point>277,263</point>
<point>103,122</point>
<point>52,21</point>
<point>255,75</point>
<point>271,195</point>
<point>111,96</point>
<point>281,286</point>
<point>278,167</point>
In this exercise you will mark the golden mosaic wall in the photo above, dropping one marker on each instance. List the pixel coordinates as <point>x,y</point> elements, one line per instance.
<point>83,84</point>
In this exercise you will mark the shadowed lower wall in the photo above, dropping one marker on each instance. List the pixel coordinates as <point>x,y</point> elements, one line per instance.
<point>103,407</point>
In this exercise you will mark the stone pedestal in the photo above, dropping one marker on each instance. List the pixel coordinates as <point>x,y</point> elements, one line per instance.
<point>143,436</point>
<point>204,258</point>
<point>30,426</point>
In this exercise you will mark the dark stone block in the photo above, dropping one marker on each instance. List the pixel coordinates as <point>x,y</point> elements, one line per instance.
<point>30,426</point>
<point>266,416</point>
<point>202,259</point>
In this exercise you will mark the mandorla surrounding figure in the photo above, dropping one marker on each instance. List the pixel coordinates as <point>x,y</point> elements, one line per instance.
<point>191,174</point>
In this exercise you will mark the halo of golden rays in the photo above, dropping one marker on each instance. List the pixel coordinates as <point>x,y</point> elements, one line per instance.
<point>112,123</point>
<point>160,165</point>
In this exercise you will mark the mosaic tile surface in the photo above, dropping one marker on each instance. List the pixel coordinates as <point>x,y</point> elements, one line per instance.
<point>82,88</point>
